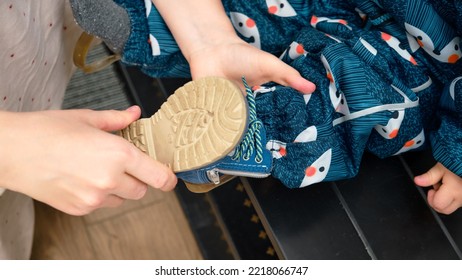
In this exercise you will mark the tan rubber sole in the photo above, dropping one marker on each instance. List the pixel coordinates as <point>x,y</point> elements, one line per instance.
<point>200,123</point>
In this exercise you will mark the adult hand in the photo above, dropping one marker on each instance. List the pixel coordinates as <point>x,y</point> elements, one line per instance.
<point>446,195</point>
<point>68,159</point>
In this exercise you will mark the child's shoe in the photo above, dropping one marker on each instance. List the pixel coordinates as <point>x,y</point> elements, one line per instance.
<point>102,19</point>
<point>207,133</point>
<point>127,27</point>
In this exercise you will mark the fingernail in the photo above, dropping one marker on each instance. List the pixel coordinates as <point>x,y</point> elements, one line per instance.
<point>419,179</point>
<point>308,87</point>
<point>133,108</point>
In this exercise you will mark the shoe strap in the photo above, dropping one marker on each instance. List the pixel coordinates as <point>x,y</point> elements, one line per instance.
<point>83,46</point>
<point>252,140</point>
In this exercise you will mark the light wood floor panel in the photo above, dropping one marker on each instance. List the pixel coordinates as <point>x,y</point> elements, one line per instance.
<point>153,232</point>
<point>151,196</point>
<point>153,228</point>
<point>59,236</point>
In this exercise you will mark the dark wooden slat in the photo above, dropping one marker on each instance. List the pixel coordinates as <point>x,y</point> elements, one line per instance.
<point>204,225</point>
<point>242,222</point>
<point>306,223</point>
<point>392,213</point>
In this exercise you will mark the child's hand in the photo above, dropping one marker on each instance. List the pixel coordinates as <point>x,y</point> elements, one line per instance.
<point>446,195</point>
<point>211,46</point>
<point>234,58</point>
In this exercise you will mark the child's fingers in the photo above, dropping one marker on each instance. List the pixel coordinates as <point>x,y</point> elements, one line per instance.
<point>288,76</point>
<point>447,199</point>
<point>431,177</point>
<point>451,208</point>
<point>301,84</point>
<point>431,197</point>
<point>441,200</point>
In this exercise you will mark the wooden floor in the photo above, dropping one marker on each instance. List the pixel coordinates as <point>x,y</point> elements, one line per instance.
<point>153,228</point>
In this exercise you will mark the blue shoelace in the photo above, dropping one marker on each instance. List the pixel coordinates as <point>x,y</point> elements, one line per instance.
<point>252,139</point>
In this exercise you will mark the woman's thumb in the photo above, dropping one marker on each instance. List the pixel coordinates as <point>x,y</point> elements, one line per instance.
<point>112,120</point>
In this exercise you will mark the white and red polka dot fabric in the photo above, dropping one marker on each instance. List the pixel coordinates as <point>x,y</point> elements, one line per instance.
<point>37,40</point>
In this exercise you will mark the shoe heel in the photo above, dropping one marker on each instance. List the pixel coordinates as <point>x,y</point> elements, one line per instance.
<point>82,47</point>
<point>203,188</point>
<point>202,122</point>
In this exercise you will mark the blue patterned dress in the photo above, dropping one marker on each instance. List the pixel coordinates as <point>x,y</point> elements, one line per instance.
<point>388,76</point>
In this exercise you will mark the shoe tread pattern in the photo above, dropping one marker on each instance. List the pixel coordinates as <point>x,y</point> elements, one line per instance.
<point>200,123</point>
